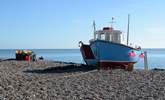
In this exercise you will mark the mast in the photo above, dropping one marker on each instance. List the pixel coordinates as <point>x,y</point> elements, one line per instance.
<point>94,29</point>
<point>128,29</point>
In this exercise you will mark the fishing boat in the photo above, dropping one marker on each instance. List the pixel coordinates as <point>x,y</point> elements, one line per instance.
<point>107,50</point>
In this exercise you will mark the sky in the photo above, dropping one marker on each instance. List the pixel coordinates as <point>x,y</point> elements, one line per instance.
<point>52,24</point>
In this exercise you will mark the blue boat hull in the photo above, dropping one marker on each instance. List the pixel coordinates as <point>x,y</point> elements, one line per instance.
<point>107,53</point>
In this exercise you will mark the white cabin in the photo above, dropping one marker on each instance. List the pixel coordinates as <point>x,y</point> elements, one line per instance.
<point>108,34</point>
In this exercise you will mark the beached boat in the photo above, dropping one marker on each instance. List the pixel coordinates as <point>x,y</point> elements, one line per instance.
<point>106,50</point>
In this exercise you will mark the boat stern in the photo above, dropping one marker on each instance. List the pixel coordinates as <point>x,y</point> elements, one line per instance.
<point>87,54</point>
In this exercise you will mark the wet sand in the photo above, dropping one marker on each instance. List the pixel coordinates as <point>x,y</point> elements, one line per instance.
<point>50,80</point>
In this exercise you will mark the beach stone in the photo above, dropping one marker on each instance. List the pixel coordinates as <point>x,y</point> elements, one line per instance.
<point>41,80</point>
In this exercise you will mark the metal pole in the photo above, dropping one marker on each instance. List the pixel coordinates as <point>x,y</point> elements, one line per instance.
<point>94,30</point>
<point>145,61</point>
<point>128,29</point>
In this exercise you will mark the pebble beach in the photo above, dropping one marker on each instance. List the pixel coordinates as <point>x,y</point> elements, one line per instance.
<point>52,80</point>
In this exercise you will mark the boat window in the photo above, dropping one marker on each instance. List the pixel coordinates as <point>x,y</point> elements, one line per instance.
<point>102,37</point>
<point>110,38</point>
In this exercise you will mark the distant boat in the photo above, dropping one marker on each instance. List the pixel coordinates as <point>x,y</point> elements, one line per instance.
<point>106,50</point>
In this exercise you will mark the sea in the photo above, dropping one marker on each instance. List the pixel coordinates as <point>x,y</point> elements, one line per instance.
<point>156,57</point>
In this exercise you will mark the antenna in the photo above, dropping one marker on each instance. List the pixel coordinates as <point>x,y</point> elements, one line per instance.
<point>94,29</point>
<point>112,22</point>
<point>128,29</point>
